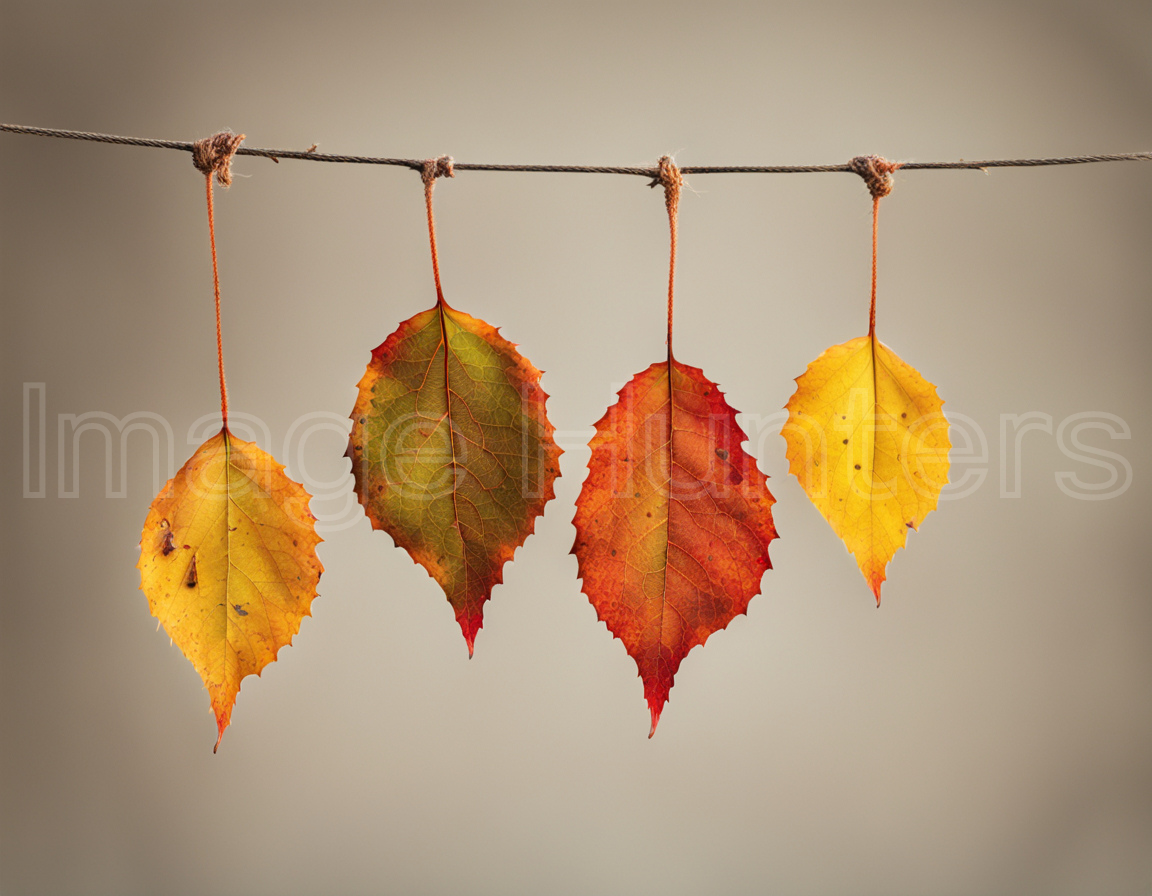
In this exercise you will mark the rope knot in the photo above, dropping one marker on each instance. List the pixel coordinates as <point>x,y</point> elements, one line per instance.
<point>669,177</point>
<point>877,173</point>
<point>438,167</point>
<point>213,155</point>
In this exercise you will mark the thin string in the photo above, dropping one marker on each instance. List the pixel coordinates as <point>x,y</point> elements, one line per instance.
<point>216,286</point>
<point>669,176</point>
<point>417,164</point>
<point>877,174</point>
<point>430,170</point>
<point>212,156</point>
<point>872,308</point>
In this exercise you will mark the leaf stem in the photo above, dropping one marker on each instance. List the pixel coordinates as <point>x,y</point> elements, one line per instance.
<point>429,184</point>
<point>669,176</point>
<point>216,286</point>
<point>872,308</point>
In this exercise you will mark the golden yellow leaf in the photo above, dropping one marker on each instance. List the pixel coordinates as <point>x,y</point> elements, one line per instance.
<point>228,563</point>
<point>869,443</point>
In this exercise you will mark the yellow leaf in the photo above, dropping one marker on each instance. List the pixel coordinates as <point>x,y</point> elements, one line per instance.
<point>228,563</point>
<point>869,443</point>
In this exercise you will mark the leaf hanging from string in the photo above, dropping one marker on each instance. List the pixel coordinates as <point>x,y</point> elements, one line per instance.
<point>866,433</point>
<point>674,519</point>
<point>228,552</point>
<point>451,447</point>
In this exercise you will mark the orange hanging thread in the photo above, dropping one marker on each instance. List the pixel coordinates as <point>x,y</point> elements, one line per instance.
<point>877,174</point>
<point>670,178</point>
<point>213,156</point>
<point>434,168</point>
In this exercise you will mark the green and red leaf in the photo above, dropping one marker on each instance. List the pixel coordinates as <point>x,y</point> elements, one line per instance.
<point>452,452</point>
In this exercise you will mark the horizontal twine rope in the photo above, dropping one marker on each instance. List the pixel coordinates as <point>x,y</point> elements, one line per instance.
<point>418,164</point>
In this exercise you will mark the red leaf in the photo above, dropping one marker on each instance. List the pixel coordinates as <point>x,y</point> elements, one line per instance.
<point>673,522</point>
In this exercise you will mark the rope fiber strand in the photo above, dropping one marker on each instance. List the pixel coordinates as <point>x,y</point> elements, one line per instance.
<point>418,164</point>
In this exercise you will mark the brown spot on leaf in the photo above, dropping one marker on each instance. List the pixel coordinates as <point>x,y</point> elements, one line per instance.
<point>190,580</point>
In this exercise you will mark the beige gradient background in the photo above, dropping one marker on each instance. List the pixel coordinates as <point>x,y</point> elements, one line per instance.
<point>988,730</point>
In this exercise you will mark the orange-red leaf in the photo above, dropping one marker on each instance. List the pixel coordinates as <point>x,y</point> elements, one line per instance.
<point>228,563</point>
<point>868,440</point>
<point>452,452</point>
<point>673,522</point>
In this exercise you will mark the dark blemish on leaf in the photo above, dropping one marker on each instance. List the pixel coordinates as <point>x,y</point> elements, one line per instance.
<point>843,417</point>
<point>167,548</point>
<point>909,525</point>
<point>845,442</point>
<point>191,579</point>
<point>613,552</point>
<point>857,466</point>
<point>637,495</point>
<point>363,420</point>
<point>294,542</point>
<point>722,454</point>
<point>649,513</point>
<point>240,611</point>
<point>902,414</point>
